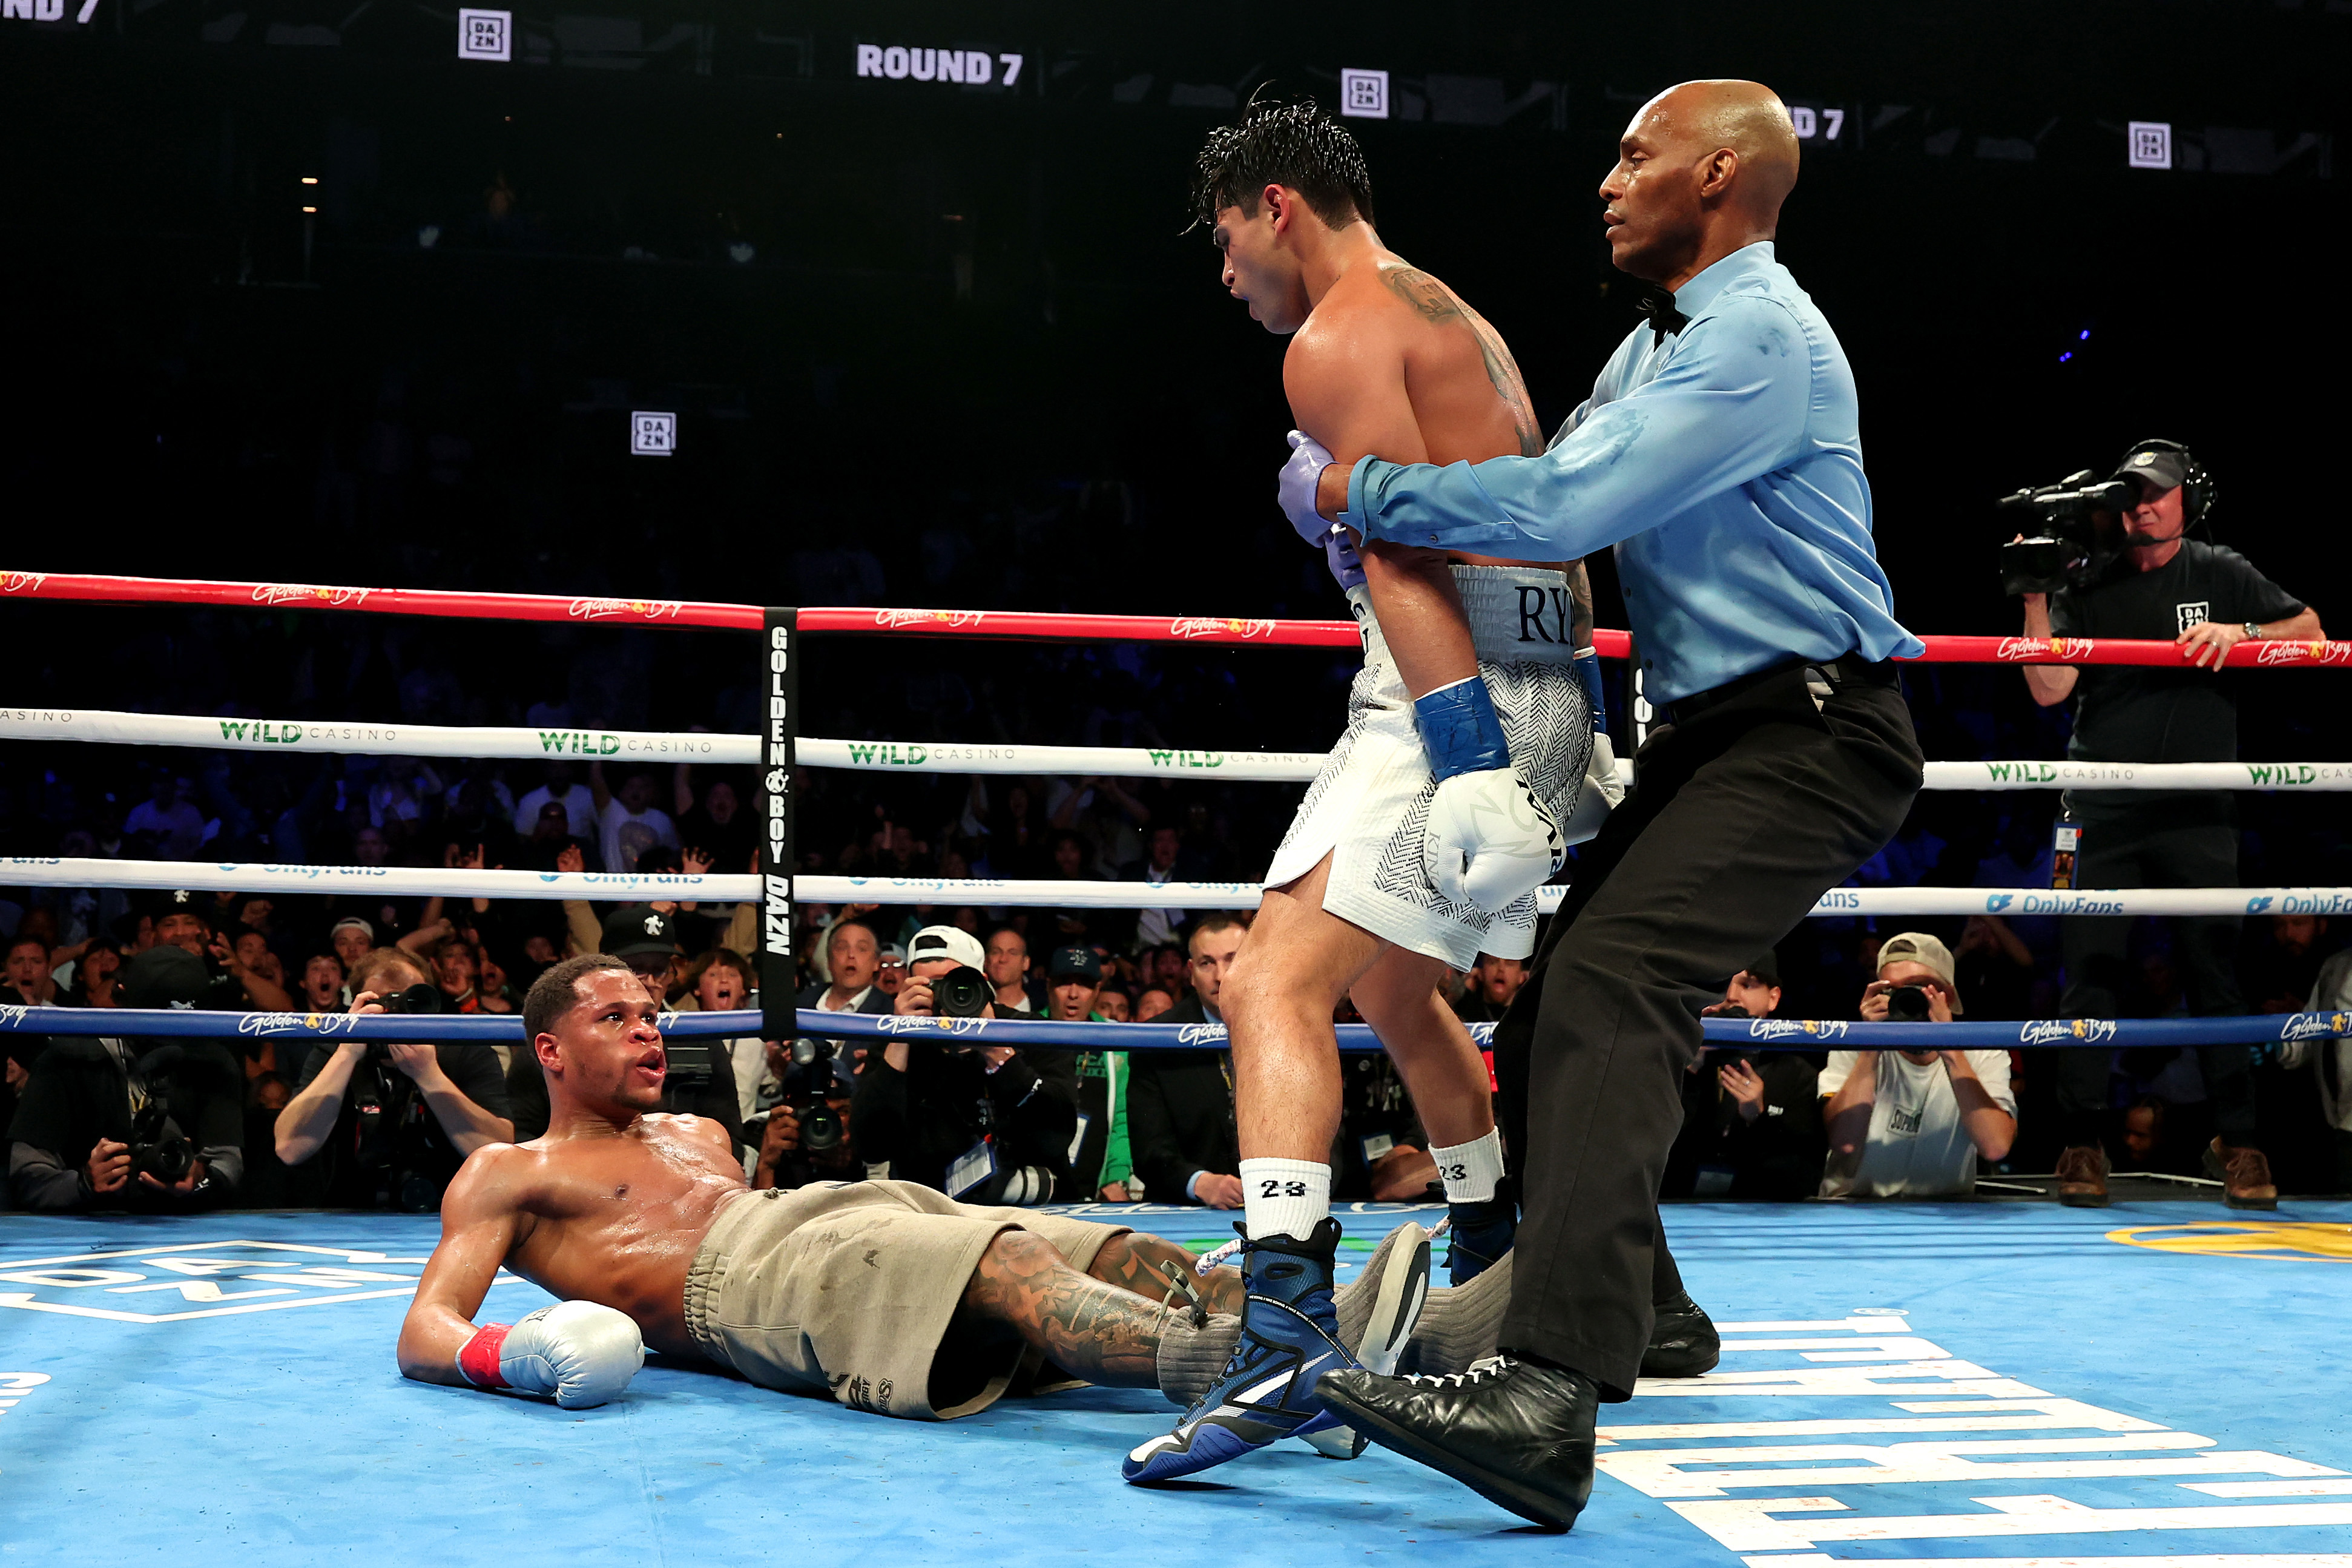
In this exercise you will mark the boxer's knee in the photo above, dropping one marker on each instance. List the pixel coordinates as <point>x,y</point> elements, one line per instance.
<point>1262,988</point>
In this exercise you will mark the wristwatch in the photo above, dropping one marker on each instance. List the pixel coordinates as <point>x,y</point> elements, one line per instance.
<point>2255,630</point>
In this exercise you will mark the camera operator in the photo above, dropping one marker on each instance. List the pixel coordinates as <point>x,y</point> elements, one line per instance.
<point>2153,582</point>
<point>390,1125</point>
<point>985,1125</point>
<point>139,1124</point>
<point>804,1127</point>
<point>1913,1123</point>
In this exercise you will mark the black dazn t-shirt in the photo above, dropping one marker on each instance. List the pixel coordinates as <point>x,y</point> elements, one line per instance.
<point>2156,713</point>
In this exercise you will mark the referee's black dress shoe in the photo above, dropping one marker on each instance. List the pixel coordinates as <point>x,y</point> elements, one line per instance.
<point>1683,1342</point>
<point>1518,1433</point>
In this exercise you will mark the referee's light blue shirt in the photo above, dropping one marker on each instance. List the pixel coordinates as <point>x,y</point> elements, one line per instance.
<point>1724,465</point>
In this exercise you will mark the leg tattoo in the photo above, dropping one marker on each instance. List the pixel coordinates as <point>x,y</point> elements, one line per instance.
<point>1091,1328</point>
<point>1134,1261</point>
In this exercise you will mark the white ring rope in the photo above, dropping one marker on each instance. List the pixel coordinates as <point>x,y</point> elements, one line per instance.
<point>404,881</point>
<point>506,742</point>
<point>278,736</point>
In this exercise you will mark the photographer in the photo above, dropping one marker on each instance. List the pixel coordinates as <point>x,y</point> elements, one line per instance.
<point>1913,1123</point>
<point>985,1124</point>
<point>2138,577</point>
<point>1751,1120</point>
<point>138,1124</point>
<point>390,1125</point>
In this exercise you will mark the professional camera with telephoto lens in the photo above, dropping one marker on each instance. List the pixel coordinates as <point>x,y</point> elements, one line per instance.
<point>396,1132</point>
<point>374,1089</point>
<point>418,999</point>
<point>158,1148</point>
<point>1907,1004</point>
<point>821,1128</point>
<point>2064,544</point>
<point>963,992</point>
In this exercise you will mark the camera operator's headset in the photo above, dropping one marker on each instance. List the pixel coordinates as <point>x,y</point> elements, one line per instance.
<point>2197,489</point>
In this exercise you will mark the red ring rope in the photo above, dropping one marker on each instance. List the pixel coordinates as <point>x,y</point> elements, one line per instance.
<point>1010,623</point>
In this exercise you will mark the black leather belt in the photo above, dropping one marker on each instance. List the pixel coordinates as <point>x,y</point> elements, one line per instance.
<point>1850,669</point>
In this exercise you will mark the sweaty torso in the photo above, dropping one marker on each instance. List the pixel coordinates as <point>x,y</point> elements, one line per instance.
<point>618,1219</point>
<point>1464,389</point>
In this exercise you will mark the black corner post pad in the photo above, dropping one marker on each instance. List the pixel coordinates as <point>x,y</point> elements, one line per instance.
<point>780,684</point>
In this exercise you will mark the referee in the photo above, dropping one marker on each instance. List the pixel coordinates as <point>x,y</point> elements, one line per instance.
<point>1719,453</point>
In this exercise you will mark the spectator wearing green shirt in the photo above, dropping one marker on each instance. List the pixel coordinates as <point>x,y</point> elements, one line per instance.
<point>1102,1166</point>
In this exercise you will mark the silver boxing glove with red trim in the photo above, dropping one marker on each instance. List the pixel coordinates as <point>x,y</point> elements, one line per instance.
<point>578,1351</point>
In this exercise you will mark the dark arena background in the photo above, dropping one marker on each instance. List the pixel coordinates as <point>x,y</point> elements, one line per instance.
<point>714,302</point>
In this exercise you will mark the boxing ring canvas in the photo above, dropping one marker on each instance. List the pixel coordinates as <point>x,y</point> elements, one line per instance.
<point>1993,1383</point>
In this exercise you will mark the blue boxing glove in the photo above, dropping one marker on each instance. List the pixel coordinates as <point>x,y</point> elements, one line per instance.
<point>1295,489</point>
<point>1490,838</point>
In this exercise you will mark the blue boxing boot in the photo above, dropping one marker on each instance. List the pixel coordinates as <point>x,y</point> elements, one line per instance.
<point>1289,1339</point>
<point>1477,1236</point>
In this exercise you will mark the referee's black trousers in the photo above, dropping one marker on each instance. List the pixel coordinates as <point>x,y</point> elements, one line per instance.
<point>1740,819</point>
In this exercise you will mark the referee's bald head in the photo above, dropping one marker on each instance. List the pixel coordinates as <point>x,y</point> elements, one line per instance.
<point>1744,118</point>
<point>1701,169</point>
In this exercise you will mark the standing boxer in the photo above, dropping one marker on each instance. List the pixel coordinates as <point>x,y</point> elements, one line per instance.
<point>1422,840</point>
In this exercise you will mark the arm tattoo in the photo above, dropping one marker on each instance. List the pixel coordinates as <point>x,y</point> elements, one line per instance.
<point>1579,610</point>
<point>1440,304</point>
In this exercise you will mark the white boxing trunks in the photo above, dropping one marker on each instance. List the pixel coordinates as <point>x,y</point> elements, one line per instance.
<point>1368,806</point>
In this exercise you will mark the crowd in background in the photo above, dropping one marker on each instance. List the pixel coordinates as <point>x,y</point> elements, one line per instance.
<point>285,1119</point>
<point>83,946</point>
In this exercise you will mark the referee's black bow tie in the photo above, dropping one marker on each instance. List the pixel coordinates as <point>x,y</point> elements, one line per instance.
<point>1658,305</point>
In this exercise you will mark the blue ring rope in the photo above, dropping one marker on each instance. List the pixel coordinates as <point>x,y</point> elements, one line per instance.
<point>1764,1034</point>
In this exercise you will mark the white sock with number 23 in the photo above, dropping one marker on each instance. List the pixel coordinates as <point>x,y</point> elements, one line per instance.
<point>1285,1197</point>
<point>1470,1169</point>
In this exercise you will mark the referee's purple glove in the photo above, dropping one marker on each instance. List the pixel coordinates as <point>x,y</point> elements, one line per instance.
<point>1339,554</point>
<point>1295,490</point>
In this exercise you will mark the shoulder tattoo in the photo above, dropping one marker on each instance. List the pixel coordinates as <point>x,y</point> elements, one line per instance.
<point>1439,304</point>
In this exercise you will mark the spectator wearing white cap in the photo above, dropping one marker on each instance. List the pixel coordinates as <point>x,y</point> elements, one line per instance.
<point>1913,1123</point>
<point>984,1123</point>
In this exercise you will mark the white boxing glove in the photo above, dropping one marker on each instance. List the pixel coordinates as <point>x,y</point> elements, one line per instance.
<point>581,1352</point>
<point>1490,840</point>
<point>1602,792</point>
